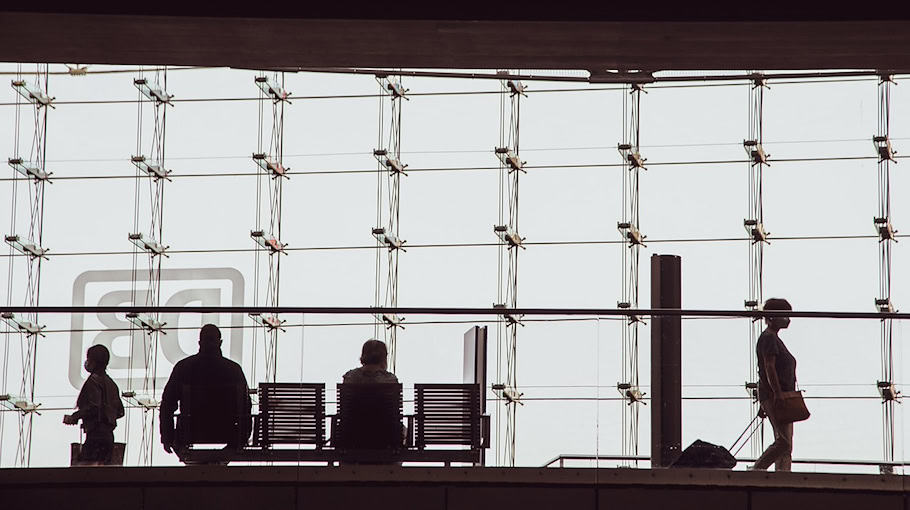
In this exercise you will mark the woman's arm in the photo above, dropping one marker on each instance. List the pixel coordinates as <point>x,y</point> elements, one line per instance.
<point>771,374</point>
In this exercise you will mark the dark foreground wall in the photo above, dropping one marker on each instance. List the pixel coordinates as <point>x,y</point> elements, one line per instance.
<point>377,488</point>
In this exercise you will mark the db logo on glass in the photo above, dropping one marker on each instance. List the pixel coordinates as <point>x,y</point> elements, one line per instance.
<point>179,287</point>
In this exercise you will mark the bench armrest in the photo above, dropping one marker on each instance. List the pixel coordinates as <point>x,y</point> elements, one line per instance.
<point>485,431</point>
<point>409,438</point>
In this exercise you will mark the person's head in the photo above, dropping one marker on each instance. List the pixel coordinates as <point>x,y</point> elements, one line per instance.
<point>374,352</point>
<point>209,337</point>
<point>777,304</point>
<point>96,359</point>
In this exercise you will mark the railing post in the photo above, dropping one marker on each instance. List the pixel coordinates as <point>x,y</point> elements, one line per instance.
<point>666,361</point>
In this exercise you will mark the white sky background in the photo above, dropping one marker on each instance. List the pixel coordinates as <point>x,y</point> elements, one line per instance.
<point>561,359</point>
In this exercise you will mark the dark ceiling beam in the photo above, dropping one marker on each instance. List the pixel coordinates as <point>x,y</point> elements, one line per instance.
<point>596,45</point>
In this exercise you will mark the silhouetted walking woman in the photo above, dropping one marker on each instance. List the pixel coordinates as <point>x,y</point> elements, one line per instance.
<point>776,374</point>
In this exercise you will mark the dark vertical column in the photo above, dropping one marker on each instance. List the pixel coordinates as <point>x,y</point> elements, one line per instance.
<point>666,361</point>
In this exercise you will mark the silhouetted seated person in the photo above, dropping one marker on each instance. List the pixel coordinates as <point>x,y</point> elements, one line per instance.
<point>213,396</point>
<point>99,408</point>
<point>374,366</point>
<point>369,405</point>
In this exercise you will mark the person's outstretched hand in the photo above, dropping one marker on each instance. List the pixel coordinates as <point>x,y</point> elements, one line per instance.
<point>69,419</point>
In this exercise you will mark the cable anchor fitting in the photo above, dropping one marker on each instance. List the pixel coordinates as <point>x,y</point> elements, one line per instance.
<point>516,87</point>
<point>509,236</point>
<point>752,390</point>
<point>756,231</point>
<point>274,91</point>
<point>885,229</point>
<point>390,320</point>
<point>26,248</point>
<point>884,305</point>
<point>153,91</point>
<point>269,322</point>
<point>269,242</point>
<point>20,404</point>
<point>632,394</point>
<point>888,391</point>
<point>511,320</point>
<point>146,323</point>
<point>389,238</point>
<point>33,93</point>
<point>146,402</point>
<point>631,156</point>
<point>631,233</point>
<point>29,169</point>
<point>23,326</point>
<point>509,158</point>
<point>150,245</point>
<point>270,166</point>
<point>625,305</point>
<point>756,152</point>
<point>509,394</point>
<point>152,170</point>
<point>883,148</point>
<point>394,165</point>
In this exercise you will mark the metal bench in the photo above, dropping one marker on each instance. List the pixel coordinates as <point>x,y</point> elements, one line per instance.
<point>448,426</point>
<point>450,415</point>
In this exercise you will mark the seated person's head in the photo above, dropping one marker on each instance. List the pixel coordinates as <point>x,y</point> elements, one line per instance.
<point>209,337</point>
<point>374,353</point>
<point>96,358</point>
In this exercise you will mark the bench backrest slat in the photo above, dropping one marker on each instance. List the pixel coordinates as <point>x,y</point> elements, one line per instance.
<point>291,413</point>
<point>447,414</point>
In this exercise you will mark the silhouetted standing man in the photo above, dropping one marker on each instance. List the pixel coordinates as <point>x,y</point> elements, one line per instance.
<point>99,408</point>
<point>208,369</point>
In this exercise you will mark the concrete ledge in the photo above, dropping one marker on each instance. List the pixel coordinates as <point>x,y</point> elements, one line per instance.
<point>288,487</point>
